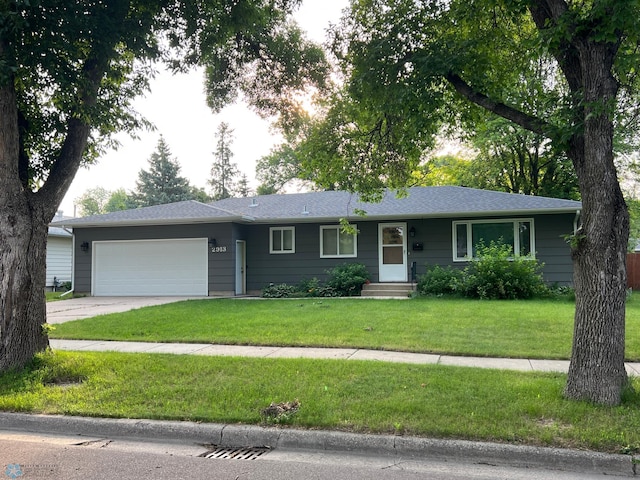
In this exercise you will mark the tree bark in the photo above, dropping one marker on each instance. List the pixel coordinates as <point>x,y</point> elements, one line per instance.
<point>24,219</point>
<point>23,236</point>
<point>597,371</point>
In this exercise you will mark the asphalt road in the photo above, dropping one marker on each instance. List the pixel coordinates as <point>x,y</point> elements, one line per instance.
<point>29,455</point>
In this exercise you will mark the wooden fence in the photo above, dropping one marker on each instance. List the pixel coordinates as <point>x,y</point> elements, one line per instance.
<point>633,270</point>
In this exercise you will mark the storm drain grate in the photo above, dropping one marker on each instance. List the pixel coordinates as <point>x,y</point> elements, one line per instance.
<point>242,453</point>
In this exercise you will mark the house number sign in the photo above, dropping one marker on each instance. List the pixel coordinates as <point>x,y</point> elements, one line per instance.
<point>220,249</point>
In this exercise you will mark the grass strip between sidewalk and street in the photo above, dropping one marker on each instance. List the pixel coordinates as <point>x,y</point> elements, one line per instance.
<point>454,326</point>
<point>356,396</point>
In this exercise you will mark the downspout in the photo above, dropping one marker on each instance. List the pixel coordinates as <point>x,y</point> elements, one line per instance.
<point>575,222</point>
<point>73,263</point>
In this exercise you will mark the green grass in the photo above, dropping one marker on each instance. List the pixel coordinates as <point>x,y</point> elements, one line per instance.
<point>439,401</point>
<point>525,329</point>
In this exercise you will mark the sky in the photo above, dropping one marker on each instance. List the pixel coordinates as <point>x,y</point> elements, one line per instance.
<point>177,107</point>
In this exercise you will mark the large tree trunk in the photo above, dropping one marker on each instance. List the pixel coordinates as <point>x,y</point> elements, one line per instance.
<point>597,372</point>
<point>23,236</point>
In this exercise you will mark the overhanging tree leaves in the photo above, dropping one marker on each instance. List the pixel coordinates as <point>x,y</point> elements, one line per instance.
<point>412,66</point>
<point>68,72</point>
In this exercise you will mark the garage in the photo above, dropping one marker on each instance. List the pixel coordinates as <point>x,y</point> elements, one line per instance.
<point>150,267</point>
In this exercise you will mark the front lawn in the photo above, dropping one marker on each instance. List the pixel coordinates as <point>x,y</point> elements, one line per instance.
<point>519,329</point>
<point>423,400</point>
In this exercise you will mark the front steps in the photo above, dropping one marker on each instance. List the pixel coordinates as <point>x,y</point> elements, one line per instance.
<point>395,290</point>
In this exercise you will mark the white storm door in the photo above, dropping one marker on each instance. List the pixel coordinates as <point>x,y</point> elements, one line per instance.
<point>392,239</point>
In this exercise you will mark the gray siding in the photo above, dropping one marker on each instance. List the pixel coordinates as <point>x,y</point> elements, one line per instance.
<point>551,248</point>
<point>264,268</point>
<point>221,265</point>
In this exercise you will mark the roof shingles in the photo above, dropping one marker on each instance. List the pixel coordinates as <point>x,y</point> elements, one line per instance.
<point>446,201</point>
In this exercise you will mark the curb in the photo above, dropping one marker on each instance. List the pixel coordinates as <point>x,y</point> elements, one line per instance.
<point>255,436</point>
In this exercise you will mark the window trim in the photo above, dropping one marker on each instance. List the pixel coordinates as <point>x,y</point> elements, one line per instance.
<point>469,232</point>
<point>338,255</point>
<point>282,251</point>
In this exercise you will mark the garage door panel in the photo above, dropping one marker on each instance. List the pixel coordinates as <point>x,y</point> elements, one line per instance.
<point>150,267</point>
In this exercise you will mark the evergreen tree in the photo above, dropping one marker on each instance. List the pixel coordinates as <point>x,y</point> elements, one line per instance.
<point>223,171</point>
<point>161,183</point>
<point>243,186</point>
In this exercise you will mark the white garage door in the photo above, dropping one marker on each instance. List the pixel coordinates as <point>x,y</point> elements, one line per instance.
<point>150,267</point>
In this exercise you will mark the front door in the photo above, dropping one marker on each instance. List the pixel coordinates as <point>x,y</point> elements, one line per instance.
<point>392,239</point>
<point>241,267</point>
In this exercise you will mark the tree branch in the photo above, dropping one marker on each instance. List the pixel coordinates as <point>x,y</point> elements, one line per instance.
<point>545,14</point>
<point>528,122</point>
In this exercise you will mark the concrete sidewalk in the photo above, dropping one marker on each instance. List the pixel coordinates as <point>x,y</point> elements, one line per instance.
<point>521,364</point>
<point>85,307</point>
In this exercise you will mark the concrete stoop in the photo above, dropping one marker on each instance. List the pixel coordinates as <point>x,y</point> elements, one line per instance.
<point>398,290</point>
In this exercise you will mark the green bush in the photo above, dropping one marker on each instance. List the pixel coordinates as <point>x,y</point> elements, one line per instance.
<point>347,279</point>
<point>281,290</point>
<point>344,281</point>
<point>497,274</point>
<point>440,281</point>
<point>314,288</point>
<point>561,292</point>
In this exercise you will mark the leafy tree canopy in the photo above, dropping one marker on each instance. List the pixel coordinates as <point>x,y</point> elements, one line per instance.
<point>566,71</point>
<point>99,200</point>
<point>68,74</point>
<point>79,65</point>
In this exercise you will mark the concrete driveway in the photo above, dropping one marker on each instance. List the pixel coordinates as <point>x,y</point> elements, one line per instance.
<point>84,307</point>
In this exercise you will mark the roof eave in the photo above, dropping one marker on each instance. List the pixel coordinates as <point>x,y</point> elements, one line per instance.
<point>316,219</point>
<point>152,222</point>
<point>395,217</point>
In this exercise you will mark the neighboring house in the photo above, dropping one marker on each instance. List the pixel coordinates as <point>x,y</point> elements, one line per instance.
<point>241,245</point>
<point>59,250</point>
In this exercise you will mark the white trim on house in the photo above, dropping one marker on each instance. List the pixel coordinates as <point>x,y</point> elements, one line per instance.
<point>338,253</point>
<point>279,247</point>
<point>461,252</point>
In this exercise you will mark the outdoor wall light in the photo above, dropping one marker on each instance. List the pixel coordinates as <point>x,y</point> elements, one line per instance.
<point>213,243</point>
<point>412,232</point>
<point>84,246</point>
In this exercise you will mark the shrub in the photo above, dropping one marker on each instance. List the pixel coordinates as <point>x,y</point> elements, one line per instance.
<point>314,288</point>
<point>310,288</point>
<point>440,281</point>
<point>496,274</point>
<point>281,290</point>
<point>561,292</point>
<point>347,279</point>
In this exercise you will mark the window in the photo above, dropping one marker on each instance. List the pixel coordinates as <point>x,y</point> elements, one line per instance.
<point>282,240</point>
<point>518,233</point>
<point>336,243</point>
